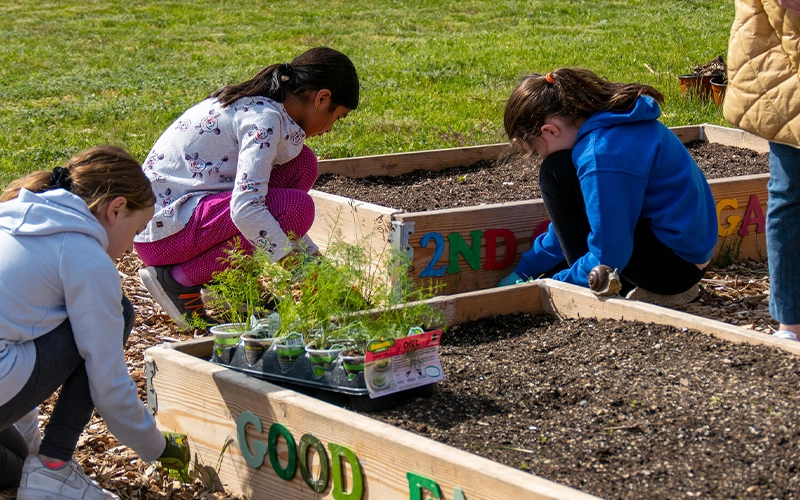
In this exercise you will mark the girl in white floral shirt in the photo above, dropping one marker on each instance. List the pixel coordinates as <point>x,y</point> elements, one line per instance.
<point>235,166</point>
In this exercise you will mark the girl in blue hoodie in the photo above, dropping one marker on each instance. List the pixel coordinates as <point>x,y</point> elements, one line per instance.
<point>620,188</point>
<point>64,320</point>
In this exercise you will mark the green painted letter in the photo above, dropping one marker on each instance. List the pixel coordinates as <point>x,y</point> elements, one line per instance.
<point>306,442</point>
<point>279,430</point>
<point>339,452</point>
<point>417,483</point>
<point>254,460</point>
<point>472,254</point>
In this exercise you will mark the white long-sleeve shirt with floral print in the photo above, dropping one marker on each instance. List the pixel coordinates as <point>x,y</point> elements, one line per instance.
<point>210,149</point>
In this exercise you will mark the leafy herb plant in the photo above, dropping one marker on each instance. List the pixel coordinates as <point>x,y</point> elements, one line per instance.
<point>347,296</point>
<point>235,294</point>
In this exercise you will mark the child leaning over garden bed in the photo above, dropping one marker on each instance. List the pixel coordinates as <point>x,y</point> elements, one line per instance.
<point>620,188</point>
<point>65,321</point>
<point>234,166</point>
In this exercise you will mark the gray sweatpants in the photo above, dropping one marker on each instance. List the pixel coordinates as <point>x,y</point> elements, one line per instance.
<point>58,364</point>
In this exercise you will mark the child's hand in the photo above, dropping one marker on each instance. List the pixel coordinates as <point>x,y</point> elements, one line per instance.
<point>176,455</point>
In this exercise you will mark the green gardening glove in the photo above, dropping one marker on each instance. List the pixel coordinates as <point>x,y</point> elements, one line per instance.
<point>176,455</point>
<point>511,279</point>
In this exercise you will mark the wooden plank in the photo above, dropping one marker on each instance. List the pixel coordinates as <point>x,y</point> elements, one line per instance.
<point>733,196</point>
<point>688,133</point>
<point>520,217</point>
<point>198,348</point>
<point>463,307</point>
<point>570,301</point>
<point>440,159</point>
<point>349,220</point>
<point>403,163</point>
<point>564,300</point>
<point>523,217</point>
<point>205,401</point>
<point>735,137</point>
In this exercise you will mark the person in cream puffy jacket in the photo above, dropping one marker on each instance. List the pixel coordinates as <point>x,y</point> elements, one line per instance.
<point>763,97</point>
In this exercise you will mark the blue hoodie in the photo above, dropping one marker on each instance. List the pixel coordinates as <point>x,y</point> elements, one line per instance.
<point>54,267</point>
<point>632,167</point>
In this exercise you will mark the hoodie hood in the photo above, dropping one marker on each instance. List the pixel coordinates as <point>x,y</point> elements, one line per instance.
<point>645,109</point>
<point>50,212</point>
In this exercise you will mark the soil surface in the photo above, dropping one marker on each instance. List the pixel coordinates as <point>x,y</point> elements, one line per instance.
<point>512,179</point>
<point>617,409</point>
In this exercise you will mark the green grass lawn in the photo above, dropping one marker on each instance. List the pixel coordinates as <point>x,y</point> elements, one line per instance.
<point>434,74</point>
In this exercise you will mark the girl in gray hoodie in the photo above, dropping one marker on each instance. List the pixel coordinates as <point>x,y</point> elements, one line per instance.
<point>64,320</point>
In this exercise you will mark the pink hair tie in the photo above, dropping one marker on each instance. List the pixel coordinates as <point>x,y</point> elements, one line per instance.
<point>549,78</point>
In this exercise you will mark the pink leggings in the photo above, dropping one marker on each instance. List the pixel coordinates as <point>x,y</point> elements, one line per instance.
<point>196,250</point>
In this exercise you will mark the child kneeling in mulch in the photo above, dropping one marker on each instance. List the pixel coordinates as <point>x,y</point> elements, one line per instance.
<point>620,188</point>
<point>64,322</point>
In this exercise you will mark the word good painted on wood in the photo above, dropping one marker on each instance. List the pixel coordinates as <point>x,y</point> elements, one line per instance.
<point>458,249</point>
<point>330,468</point>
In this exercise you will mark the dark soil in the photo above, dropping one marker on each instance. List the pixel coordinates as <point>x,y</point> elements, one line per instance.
<point>514,179</point>
<point>617,409</point>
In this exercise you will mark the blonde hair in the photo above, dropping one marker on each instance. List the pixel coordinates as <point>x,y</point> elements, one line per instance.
<point>96,175</point>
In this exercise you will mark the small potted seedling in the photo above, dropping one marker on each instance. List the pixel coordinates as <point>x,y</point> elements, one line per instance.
<point>315,296</point>
<point>400,308</point>
<point>332,295</point>
<point>698,82</point>
<point>235,295</point>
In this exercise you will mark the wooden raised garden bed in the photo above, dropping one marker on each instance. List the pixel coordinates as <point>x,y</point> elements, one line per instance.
<point>472,248</point>
<point>336,453</point>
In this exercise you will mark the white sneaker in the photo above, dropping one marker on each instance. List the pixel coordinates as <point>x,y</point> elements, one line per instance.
<point>785,334</point>
<point>67,483</point>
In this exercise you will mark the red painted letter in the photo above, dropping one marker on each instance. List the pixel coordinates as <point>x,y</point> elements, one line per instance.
<point>753,215</point>
<point>491,248</point>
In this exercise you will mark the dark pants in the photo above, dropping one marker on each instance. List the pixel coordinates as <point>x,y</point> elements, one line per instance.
<point>58,364</point>
<point>652,266</point>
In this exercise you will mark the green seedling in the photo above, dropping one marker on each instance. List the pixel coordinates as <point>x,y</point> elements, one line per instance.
<point>235,294</point>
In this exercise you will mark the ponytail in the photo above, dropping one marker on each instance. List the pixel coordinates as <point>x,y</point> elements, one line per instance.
<point>316,69</point>
<point>95,175</point>
<point>567,92</point>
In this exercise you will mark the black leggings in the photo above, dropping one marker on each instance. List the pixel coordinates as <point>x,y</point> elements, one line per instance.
<point>58,364</point>
<point>652,266</point>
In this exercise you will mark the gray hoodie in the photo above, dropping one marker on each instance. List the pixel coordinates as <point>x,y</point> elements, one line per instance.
<point>54,266</point>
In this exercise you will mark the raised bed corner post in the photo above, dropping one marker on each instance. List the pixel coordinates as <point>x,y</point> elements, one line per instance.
<point>149,372</point>
<point>398,238</point>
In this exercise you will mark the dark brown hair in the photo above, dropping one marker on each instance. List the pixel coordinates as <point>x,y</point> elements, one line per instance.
<point>570,93</point>
<point>95,175</point>
<point>316,69</point>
